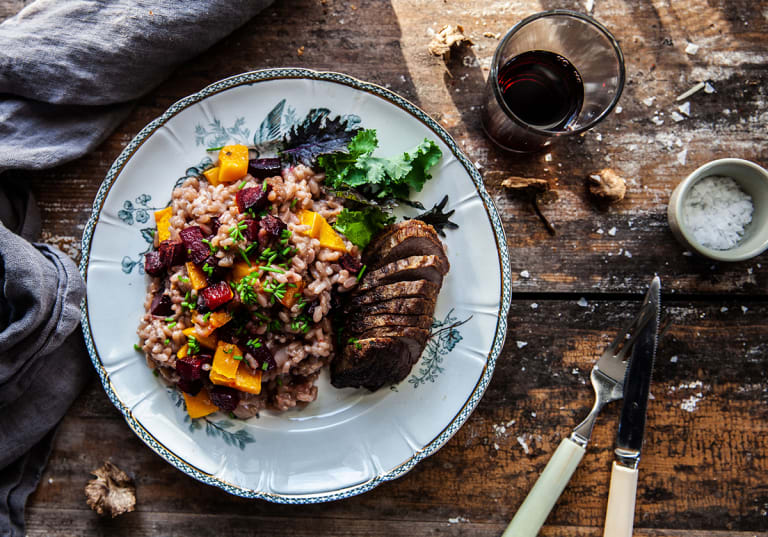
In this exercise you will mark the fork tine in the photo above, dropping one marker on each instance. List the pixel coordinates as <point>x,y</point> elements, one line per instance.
<point>621,340</point>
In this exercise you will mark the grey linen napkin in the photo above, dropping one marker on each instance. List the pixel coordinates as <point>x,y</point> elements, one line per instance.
<point>69,71</point>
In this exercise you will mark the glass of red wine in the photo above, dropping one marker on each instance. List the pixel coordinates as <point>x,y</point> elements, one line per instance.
<point>555,73</point>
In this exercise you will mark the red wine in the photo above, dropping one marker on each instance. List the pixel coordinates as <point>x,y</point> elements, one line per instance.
<point>542,88</point>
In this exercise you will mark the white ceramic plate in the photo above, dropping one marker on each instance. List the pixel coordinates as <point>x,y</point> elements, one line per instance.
<point>348,441</point>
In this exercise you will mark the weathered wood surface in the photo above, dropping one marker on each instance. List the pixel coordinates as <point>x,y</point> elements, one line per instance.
<point>703,473</point>
<point>704,464</point>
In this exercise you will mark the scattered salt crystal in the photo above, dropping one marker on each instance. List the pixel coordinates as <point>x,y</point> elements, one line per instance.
<point>709,88</point>
<point>525,274</point>
<point>685,108</point>
<point>689,405</point>
<point>588,5</point>
<point>717,211</point>
<point>627,253</point>
<point>533,414</point>
<point>534,306</point>
<point>618,110</point>
<point>696,88</point>
<point>688,254</point>
<point>548,157</point>
<point>648,101</point>
<point>682,156</point>
<point>723,309</point>
<point>50,480</point>
<point>677,117</point>
<point>691,49</point>
<point>521,441</point>
<point>744,309</point>
<point>583,302</point>
<point>456,520</point>
<point>521,344</point>
<point>575,371</point>
<point>749,270</point>
<point>612,232</point>
<point>496,447</point>
<point>510,423</point>
<point>673,359</point>
<point>657,120</point>
<point>479,165</point>
<point>599,137</point>
<point>600,231</point>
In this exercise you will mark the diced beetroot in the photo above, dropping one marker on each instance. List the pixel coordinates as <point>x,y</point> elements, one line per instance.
<point>224,398</point>
<point>161,305</point>
<point>218,272</point>
<point>152,264</point>
<point>252,198</point>
<point>192,387</point>
<point>190,367</point>
<point>272,225</point>
<point>352,264</point>
<point>214,225</point>
<point>251,231</point>
<point>260,354</point>
<point>197,251</point>
<point>264,167</point>
<point>171,253</point>
<point>215,296</point>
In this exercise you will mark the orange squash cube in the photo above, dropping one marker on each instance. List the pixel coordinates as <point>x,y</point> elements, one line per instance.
<point>209,341</point>
<point>221,380</point>
<point>196,276</point>
<point>292,294</point>
<point>199,405</point>
<point>212,174</point>
<point>247,381</point>
<point>233,163</point>
<point>313,220</point>
<point>329,238</point>
<point>240,270</point>
<point>163,222</point>
<point>182,352</point>
<point>224,362</point>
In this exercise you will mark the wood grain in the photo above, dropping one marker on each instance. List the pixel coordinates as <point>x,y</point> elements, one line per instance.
<point>704,469</point>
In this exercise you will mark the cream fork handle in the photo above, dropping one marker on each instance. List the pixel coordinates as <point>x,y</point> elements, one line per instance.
<point>548,488</point>
<point>620,515</point>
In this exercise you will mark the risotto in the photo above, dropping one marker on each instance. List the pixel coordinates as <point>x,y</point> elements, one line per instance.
<point>242,281</point>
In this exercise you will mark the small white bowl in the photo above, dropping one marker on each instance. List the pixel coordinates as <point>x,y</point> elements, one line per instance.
<point>753,179</point>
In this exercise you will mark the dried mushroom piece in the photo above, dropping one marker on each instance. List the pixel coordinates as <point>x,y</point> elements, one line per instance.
<point>607,185</point>
<point>112,492</point>
<point>447,38</point>
<point>536,191</point>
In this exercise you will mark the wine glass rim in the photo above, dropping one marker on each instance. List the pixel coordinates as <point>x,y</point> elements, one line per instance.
<point>494,79</point>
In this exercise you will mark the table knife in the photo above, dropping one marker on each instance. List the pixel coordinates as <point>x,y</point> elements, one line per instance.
<point>620,514</point>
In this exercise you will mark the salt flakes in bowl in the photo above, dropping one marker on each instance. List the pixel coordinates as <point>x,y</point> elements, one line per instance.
<point>720,211</point>
<point>716,211</point>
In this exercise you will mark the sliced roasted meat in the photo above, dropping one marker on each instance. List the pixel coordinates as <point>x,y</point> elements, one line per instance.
<point>378,240</point>
<point>414,338</point>
<point>408,289</point>
<point>371,363</point>
<point>399,306</point>
<point>361,322</point>
<point>417,238</point>
<point>415,267</point>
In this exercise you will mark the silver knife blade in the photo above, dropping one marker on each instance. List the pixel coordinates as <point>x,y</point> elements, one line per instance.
<point>637,382</point>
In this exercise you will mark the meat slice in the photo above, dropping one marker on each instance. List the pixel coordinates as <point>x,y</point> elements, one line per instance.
<point>371,363</point>
<point>361,322</point>
<point>407,289</point>
<point>415,338</point>
<point>400,306</point>
<point>415,267</point>
<point>417,238</point>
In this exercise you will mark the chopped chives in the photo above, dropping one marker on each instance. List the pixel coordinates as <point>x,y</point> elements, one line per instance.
<point>171,325</point>
<point>215,148</point>
<point>156,372</point>
<point>168,319</point>
<point>265,366</point>
<point>167,341</point>
<point>242,185</point>
<point>360,274</point>
<point>245,256</point>
<point>273,269</point>
<point>136,346</point>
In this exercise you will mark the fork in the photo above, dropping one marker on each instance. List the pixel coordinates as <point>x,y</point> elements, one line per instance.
<point>607,378</point>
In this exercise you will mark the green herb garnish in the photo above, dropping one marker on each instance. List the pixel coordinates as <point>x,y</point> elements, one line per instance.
<point>236,231</point>
<point>362,271</point>
<point>193,346</point>
<point>360,226</point>
<point>208,269</point>
<point>242,185</point>
<point>136,347</point>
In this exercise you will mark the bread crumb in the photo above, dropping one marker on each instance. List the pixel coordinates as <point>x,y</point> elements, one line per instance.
<point>300,51</point>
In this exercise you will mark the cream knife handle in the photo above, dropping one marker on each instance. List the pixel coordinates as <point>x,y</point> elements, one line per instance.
<point>620,515</point>
<point>548,488</point>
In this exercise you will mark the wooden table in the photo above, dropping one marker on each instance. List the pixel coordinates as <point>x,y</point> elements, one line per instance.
<point>705,464</point>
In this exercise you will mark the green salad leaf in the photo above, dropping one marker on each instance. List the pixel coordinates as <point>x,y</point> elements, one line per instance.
<point>360,226</point>
<point>379,177</point>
